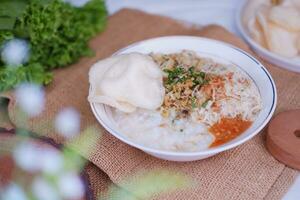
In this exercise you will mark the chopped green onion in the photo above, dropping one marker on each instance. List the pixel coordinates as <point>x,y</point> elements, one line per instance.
<point>205,103</point>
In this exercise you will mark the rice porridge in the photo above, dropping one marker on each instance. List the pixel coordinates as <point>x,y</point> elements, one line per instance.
<point>206,104</point>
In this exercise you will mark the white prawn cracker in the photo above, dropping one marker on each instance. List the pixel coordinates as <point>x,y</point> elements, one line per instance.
<point>278,39</point>
<point>287,17</point>
<point>127,82</point>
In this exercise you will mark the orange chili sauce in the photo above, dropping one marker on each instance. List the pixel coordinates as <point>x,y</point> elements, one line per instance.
<point>228,129</point>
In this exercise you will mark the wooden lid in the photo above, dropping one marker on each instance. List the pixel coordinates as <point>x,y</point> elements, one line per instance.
<point>283,138</point>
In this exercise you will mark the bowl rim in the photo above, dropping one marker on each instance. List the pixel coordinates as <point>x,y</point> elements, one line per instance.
<point>265,53</point>
<point>208,151</point>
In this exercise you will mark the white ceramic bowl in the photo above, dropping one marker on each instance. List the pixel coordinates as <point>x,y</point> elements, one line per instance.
<point>283,62</point>
<point>219,51</point>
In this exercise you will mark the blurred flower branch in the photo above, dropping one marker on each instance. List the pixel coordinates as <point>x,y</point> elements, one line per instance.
<point>37,36</point>
<point>57,171</point>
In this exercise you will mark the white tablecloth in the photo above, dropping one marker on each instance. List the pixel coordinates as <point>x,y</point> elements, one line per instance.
<point>201,12</point>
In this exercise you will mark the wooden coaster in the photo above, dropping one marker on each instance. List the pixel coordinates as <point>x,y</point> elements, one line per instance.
<point>283,138</point>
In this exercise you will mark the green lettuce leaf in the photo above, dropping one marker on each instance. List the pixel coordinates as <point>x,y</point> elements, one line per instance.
<point>13,76</point>
<point>58,34</point>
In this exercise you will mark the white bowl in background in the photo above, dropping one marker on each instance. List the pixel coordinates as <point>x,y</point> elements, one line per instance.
<point>280,61</point>
<point>219,51</point>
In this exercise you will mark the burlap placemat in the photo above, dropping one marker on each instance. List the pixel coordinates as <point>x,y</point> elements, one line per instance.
<point>246,172</point>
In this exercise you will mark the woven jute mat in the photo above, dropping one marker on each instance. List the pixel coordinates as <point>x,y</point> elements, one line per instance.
<point>246,172</point>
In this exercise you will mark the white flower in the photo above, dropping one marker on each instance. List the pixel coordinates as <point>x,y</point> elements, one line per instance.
<point>51,161</point>
<point>67,122</point>
<point>77,3</point>
<point>13,191</point>
<point>31,98</point>
<point>71,186</point>
<point>43,190</point>
<point>32,157</point>
<point>27,156</point>
<point>15,52</point>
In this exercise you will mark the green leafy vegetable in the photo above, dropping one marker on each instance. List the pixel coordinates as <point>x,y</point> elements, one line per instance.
<point>5,35</point>
<point>12,8</point>
<point>7,23</point>
<point>9,11</point>
<point>12,76</point>
<point>58,34</point>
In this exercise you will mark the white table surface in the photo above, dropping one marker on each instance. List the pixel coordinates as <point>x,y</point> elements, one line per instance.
<point>201,12</point>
